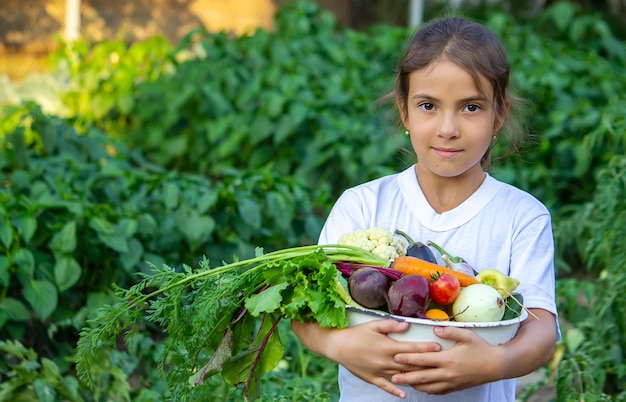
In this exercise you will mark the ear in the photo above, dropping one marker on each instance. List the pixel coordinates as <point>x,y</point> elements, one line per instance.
<point>402,108</point>
<point>501,117</point>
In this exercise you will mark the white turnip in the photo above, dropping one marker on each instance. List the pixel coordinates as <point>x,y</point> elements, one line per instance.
<point>478,303</point>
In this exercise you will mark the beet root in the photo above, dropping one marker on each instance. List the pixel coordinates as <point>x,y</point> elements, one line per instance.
<point>409,296</point>
<point>368,287</point>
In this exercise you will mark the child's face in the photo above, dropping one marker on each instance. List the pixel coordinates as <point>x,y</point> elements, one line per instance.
<point>451,122</point>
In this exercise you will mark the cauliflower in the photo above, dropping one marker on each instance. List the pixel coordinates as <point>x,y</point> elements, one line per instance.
<point>377,240</point>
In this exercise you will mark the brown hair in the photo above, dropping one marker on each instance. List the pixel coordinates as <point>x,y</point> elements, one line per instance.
<point>475,49</point>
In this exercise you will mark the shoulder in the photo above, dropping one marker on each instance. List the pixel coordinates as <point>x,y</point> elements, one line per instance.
<point>514,199</point>
<point>373,188</point>
<point>374,203</point>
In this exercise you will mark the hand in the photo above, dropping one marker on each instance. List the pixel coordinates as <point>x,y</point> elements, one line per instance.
<point>470,362</point>
<point>367,352</point>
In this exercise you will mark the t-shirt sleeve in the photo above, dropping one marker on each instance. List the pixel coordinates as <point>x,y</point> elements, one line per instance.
<point>345,216</point>
<point>532,262</point>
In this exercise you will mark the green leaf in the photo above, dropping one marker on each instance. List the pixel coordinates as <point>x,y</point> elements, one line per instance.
<point>96,300</point>
<point>206,201</point>
<point>126,103</point>
<point>146,224</point>
<point>127,227</point>
<point>5,264</point>
<point>273,103</point>
<point>4,317</point>
<point>248,367</point>
<point>266,301</point>
<point>27,226</point>
<point>64,241</point>
<point>116,242</point>
<point>196,228</point>
<point>49,369</point>
<point>45,392</point>
<point>281,209</point>
<point>574,338</point>
<point>221,356</point>
<point>101,225</point>
<point>175,146</point>
<point>66,272</point>
<point>25,262</point>
<point>42,296</point>
<point>133,256</point>
<point>249,211</point>
<point>562,14</point>
<point>14,309</point>
<point>6,234</point>
<point>171,193</point>
<point>513,307</point>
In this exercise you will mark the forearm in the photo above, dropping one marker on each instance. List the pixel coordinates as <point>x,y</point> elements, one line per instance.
<point>313,336</point>
<point>532,347</point>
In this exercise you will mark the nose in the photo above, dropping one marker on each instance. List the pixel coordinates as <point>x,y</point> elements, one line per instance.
<point>448,127</point>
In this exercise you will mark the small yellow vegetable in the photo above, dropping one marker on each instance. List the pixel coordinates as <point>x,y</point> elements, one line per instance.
<point>437,314</point>
<point>503,283</point>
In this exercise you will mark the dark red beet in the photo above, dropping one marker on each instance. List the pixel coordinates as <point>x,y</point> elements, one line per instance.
<point>409,296</point>
<point>368,287</point>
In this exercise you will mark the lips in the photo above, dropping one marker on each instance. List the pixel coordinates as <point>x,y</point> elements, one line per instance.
<point>447,152</point>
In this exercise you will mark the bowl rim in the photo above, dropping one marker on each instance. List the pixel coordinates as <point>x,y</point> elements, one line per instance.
<point>434,323</point>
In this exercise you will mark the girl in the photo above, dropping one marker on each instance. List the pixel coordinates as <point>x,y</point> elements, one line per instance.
<point>452,91</point>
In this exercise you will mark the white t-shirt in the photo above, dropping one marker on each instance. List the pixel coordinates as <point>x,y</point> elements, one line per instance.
<point>497,227</point>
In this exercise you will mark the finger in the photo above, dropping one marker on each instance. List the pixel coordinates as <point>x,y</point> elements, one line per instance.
<point>414,377</point>
<point>408,353</point>
<point>434,388</point>
<point>456,334</point>
<point>401,369</point>
<point>416,361</point>
<point>388,387</point>
<point>418,347</point>
<point>389,326</point>
<point>429,380</point>
<point>404,369</point>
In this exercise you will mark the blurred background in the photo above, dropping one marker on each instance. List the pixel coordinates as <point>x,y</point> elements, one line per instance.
<point>28,28</point>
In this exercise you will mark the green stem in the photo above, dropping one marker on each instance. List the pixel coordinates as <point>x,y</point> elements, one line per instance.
<point>444,252</point>
<point>406,236</point>
<point>337,252</point>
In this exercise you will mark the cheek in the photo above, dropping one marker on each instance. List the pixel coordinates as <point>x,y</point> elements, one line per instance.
<point>422,126</point>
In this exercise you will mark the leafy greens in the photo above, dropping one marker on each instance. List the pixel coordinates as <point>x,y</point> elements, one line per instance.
<point>224,319</point>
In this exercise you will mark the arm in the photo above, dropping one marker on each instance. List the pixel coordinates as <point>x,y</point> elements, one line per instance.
<point>532,347</point>
<point>365,350</point>
<point>472,361</point>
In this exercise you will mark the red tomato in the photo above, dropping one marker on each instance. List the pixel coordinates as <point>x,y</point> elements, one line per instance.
<point>444,289</point>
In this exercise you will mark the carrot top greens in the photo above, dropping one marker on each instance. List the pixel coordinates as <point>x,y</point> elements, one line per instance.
<point>224,319</point>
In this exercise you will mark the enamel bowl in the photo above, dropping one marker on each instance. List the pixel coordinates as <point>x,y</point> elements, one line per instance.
<point>421,330</point>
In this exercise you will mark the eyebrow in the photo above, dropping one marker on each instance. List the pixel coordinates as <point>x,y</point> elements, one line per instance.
<point>477,98</point>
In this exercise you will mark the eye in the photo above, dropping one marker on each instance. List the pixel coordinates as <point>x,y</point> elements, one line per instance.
<point>427,106</point>
<point>472,108</point>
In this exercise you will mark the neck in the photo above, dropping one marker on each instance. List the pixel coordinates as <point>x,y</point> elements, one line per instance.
<point>446,193</point>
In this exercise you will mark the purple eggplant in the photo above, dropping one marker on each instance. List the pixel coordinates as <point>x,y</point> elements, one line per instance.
<point>418,249</point>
